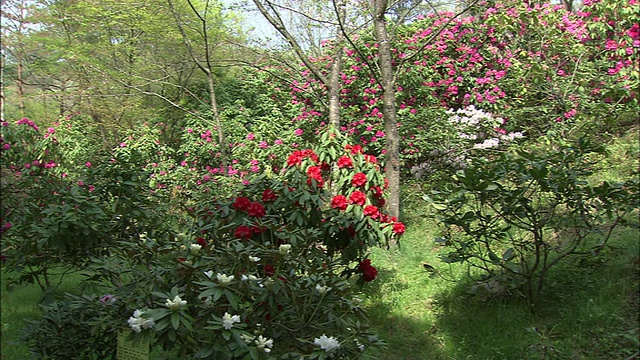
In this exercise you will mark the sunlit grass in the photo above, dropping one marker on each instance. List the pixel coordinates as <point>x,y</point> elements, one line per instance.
<point>18,304</point>
<point>588,310</point>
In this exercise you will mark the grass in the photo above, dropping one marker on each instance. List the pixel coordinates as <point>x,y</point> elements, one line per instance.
<point>588,310</point>
<point>20,303</point>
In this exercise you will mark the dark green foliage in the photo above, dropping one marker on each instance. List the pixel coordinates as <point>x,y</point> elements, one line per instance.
<point>515,215</point>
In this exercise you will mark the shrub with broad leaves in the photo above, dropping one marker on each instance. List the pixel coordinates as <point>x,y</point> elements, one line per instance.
<point>272,271</point>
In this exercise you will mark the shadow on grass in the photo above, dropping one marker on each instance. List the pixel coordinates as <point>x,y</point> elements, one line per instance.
<point>586,311</point>
<point>589,310</point>
<point>408,336</point>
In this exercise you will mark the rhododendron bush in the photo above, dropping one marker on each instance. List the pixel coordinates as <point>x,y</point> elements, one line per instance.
<point>530,65</point>
<point>223,276</point>
<point>271,261</point>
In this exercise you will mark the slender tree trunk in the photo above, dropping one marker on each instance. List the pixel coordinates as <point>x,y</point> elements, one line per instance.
<point>335,82</point>
<point>214,110</point>
<point>2,98</point>
<point>392,164</point>
<point>335,87</point>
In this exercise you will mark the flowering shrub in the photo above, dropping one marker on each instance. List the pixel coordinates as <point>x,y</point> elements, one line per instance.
<point>469,131</point>
<point>64,206</point>
<point>270,272</point>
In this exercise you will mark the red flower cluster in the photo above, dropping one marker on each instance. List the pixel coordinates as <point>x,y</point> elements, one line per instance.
<point>345,162</point>
<point>398,228</point>
<point>358,197</point>
<point>241,203</point>
<point>243,232</point>
<point>297,156</point>
<point>371,211</point>
<point>201,241</point>
<point>369,273</point>
<point>359,179</point>
<point>269,195</point>
<point>339,202</point>
<point>354,149</point>
<point>315,173</point>
<point>254,209</point>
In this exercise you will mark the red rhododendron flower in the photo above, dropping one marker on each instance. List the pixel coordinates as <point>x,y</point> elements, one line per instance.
<point>354,149</point>
<point>371,211</point>
<point>256,209</point>
<point>315,173</point>
<point>243,232</point>
<point>295,158</point>
<point>269,270</point>
<point>201,241</point>
<point>358,197</point>
<point>369,273</point>
<point>359,179</point>
<point>241,203</point>
<point>345,162</point>
<point>370,159</point>
<point>398,228</point>
<point>311,155</point>
<point>269,195</point>
<point>339,202</point>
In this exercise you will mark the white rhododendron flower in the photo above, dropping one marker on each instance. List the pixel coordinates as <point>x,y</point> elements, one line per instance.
<point>223,279</point>
<point>208,274</point>
<point>284,249</point>
<point>228,320</point>
<point>254,258</point>
<point>195,248</point>
<point>137,323</point>
<point>326,343</point>
<point>264,344</point>
<point>322,289</point>
<point>176,303</point>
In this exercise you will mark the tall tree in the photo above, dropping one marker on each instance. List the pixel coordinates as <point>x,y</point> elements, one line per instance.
<point>332,18</point>
<point>388,83</point>
<point>206,24</point>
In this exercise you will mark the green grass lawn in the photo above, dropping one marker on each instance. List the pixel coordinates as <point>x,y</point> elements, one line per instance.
<point>588,310</point>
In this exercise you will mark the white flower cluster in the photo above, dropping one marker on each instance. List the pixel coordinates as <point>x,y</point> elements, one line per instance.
<point>322,289</point>
<point>327,343</point>
<point>176,303</point>
<point>262,343</point>
<point>470,119</point>
<point>195,248</point>
<point>137,322</point>
<point>224,279</point>
<point>471,116</point>
<point>228,320</point>
<point>284,249</point>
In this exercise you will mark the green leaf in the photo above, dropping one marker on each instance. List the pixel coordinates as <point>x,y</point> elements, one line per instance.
<point>175,320</point>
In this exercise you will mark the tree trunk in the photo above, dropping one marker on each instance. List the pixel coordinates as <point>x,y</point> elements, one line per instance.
<point>392,163</point>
